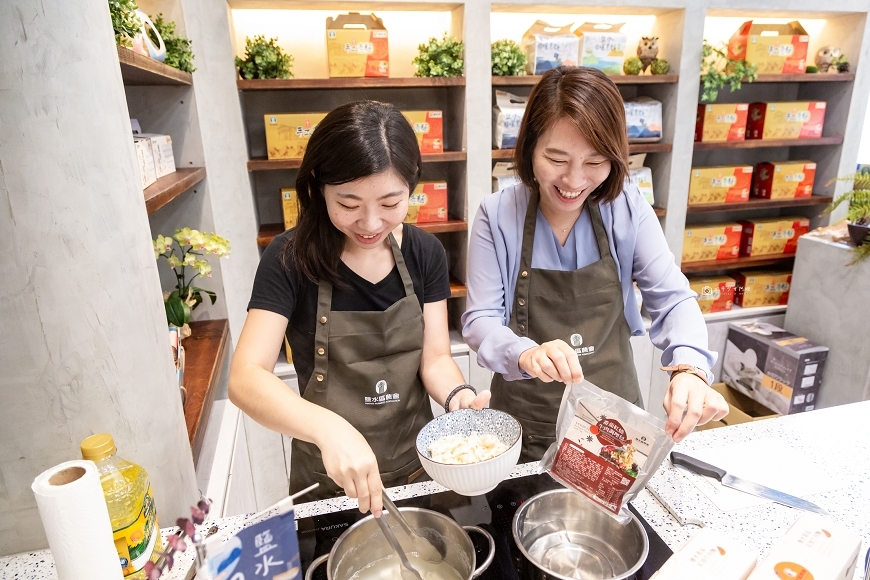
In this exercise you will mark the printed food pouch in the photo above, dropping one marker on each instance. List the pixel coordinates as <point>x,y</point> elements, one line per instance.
<point>606,448</point>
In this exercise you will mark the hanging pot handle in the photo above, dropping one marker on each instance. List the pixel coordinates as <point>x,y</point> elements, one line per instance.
<point>482,568</point>
<point>310,572</point>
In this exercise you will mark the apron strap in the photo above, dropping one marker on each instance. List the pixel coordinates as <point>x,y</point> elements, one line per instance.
<point>400,264</point>
<point>520,323</point>
<point>600,232</point>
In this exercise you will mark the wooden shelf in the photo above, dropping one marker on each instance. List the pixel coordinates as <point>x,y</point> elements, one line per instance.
<point>754,204</point>
<point>349,83</point>
<point>139,70</point>
<point>457,288</point>
<point>531,80</point>
<point>734,264</point>
<point>171,186</point>
<point>660,211</point>
<point>806,78</point>
<point>632,149</point>
<point>761,143</point>
<point>261,164</point>
<point>204,351</point>
<point>268,231</point>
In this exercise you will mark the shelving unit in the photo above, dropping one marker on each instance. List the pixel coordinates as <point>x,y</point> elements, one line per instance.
<point>532,80</point>
<point>263,164</point>
<point>760,204</point>
<point>770,143</point>
<point>734,263</point>
<point>171,186</point>
<point>139,70</point>
<point>205,351</point>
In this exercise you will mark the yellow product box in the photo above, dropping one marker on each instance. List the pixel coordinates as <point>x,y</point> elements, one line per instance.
<point>772,48</point>
<point>356,46</point>
<point>290,203</point>
<point>786,120</point>
<point>770,237</point>
<point>711,242</point>
<point>428,203</point>
<point>287,134</point>
<point>768,288</point>
<point>719,123</point>
<point>721,184</point>
<point>715,294</point>
<point>784,179</point>
<point>429,129</point>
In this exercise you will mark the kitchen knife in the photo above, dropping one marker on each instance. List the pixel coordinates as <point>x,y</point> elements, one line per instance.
<point>701,468</point>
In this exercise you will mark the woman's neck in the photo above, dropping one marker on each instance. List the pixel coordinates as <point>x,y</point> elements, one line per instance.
<point>560,221</point>
<point>373,264</point>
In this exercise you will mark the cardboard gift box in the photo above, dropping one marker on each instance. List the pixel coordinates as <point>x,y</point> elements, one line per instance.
<point>784,179</point>
<point>709,555</point>
<point>549,47</point>
<point>786,120</point>
<point>720,123</point>
<point>774,367</point>
<point>772,48</point>
<point>641,176</point>
<point>290,205</point>
<point>771,237</point>
<point>161,150</point>
<point>763,288</point>
<point>643,120</point>
<point>715,293</point>
<point>145,160</point>
<point>602,46</point>
<point>813,548</point>
<point>429,129</point>
<point>287,134</point>
<point>741,409</point>
<point>428,203</point>
<point>711,242</point>
<point>720,184</point>
<point>357,46</point>
<point>507,113</point>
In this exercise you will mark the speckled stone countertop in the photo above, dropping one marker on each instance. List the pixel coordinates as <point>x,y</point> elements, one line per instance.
<point>834,438</point>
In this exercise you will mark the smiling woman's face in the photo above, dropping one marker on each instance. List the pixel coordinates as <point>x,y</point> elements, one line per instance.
<point>567,168</point>
<point>368,209</point>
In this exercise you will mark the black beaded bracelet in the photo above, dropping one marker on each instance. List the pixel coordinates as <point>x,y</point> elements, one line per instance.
<point>453,392</point>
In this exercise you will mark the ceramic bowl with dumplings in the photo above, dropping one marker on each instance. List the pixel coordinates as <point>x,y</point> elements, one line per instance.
<point>482,476</point>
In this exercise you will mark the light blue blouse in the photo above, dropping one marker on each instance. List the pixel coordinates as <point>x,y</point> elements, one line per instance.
<point>638,246</point>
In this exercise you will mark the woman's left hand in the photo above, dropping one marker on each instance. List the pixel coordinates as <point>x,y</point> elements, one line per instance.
<point>466,399</point>
<point>690,402</point>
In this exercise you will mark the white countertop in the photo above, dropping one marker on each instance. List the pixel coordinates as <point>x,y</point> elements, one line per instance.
<point>837,438</point>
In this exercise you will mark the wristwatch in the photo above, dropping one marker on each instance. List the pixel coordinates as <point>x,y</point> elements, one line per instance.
<point>692,370</point>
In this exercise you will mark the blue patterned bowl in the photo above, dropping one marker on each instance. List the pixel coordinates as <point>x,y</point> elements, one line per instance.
<point>472,478</point>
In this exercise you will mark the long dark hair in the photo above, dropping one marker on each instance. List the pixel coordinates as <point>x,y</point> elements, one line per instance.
<point>593,104</point>
<point>353,141</point>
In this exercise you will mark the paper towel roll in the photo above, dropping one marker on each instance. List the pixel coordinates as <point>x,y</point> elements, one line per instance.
<point>76,521</point>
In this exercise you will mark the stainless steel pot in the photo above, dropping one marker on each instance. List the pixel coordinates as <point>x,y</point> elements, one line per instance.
<point>363,543</point>
<point>564,536</point>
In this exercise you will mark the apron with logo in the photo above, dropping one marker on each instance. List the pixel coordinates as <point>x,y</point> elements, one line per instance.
<point>366,370</point>
<point>582,307</point>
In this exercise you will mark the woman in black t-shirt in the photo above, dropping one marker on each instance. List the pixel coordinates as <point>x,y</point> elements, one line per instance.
<point>362,299</point>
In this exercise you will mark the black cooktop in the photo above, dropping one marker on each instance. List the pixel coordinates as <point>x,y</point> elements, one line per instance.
<point>493,511</point>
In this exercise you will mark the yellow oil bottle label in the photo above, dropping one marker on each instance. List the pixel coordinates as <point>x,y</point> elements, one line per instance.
<point>136,542</point>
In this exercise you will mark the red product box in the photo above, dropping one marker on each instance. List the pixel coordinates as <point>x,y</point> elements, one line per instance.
<point>784,179</point>
<point>787,120</point>
<point>721,122</point>
<point>772,237</point>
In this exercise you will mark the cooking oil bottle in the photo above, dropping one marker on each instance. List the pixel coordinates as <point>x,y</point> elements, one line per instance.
<point>131,505</point>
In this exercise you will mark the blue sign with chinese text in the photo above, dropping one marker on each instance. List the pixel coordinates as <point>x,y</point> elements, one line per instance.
<point>268,549</point>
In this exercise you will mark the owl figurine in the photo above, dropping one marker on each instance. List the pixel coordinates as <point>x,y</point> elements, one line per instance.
<point>825,57</point>
<point>647,50</point>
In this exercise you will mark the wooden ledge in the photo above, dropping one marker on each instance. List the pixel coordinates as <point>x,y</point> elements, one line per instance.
<point>204,350</point>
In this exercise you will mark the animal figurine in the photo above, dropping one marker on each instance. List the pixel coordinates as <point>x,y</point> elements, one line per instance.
<point>647,50</point>
<point>825,58</point>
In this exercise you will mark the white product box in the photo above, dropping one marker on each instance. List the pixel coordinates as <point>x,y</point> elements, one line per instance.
<point>602,46</point>
<point>641,176</point>
<point>506,117</point>
<point>709,555</point>
<point>814,547</point>
<point>643,119</point>
<point>503,175</point>
<point>549,47</point>
<point>161,148</point>
<point>145,160</point>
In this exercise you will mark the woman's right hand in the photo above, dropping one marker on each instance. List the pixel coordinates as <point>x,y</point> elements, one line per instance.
<point>351,464</point>
<point>552,361</point>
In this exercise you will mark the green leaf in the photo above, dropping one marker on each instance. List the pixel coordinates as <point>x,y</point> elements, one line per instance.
<point>177,312</point>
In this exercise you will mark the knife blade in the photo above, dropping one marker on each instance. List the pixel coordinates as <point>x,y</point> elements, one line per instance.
<point>702,468</point>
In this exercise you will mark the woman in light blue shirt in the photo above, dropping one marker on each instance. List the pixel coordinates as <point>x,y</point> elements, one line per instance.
<point>551,263</point>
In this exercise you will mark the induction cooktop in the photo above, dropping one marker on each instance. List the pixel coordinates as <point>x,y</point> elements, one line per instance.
<point>493,512</point>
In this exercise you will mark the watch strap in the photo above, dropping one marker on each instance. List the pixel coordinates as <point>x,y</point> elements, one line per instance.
<point>692,370</point>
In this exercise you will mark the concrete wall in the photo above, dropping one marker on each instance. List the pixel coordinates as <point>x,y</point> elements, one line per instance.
<point>83,344</point>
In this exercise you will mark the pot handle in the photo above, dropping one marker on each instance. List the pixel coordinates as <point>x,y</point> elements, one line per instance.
<point>482,568</point>
<point>310,572</point>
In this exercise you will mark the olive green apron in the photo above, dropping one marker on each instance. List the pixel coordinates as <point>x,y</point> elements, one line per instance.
<point>366,370</point>
<point>583,307</point>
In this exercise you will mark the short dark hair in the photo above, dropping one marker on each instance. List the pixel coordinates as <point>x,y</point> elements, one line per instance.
<point>353,141</point>
<point>592,102</point>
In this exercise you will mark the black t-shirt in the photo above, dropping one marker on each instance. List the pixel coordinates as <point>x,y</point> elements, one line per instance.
<point>286,291</point>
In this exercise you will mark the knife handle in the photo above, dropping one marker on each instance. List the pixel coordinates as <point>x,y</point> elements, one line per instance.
<point>696,465</point>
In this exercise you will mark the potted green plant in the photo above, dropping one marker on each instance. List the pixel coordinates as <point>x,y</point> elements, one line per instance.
<point>858,214</point>
<point>125,22</point>
<point>178,48</point>
<point>185,249</point>
<point>264,59</point>
<point>508,59</point>
<point>719,71</point>
<point>440,58</point>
